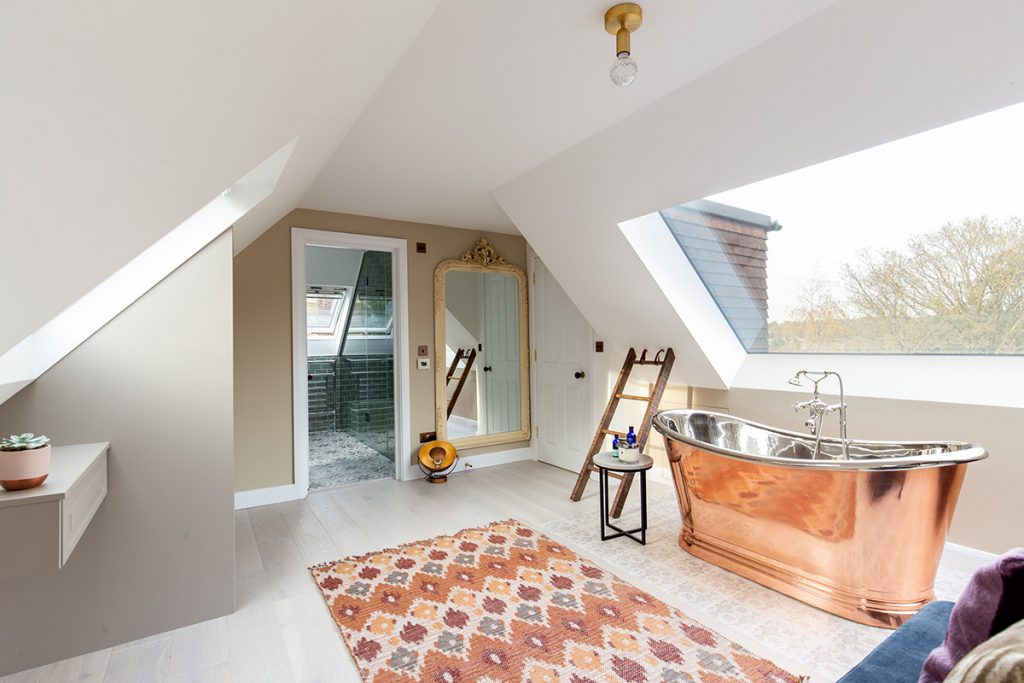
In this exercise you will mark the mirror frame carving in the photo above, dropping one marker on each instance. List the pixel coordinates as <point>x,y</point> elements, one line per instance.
<point>481,258</point>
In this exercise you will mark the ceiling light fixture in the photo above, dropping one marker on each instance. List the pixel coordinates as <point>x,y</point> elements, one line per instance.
<point>621,20</point>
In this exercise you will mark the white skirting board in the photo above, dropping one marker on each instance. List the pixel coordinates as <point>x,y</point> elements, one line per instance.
<point>496,458</point>
<point>281,494</point>
<point>267,496</point>
<point>964,558</point>
<point>482,460</point>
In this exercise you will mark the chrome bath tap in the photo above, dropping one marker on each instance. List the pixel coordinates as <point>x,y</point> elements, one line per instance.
<point>818,408</point>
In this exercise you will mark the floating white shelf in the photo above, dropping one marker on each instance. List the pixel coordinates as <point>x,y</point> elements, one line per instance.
<point>41,526</point>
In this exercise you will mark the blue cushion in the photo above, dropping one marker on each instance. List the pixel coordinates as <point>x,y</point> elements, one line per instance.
<point>900,657</point>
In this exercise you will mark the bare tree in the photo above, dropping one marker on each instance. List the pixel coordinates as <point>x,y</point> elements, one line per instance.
<point>958,289</point>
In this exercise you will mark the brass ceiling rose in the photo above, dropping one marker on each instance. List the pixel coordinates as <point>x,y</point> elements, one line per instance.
<point>621,20</point>
<point>625,15</point>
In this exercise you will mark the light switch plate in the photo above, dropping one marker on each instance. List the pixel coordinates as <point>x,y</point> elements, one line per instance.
<point>423,363</point>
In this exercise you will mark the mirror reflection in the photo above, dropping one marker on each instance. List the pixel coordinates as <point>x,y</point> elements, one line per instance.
<point>482,353</point>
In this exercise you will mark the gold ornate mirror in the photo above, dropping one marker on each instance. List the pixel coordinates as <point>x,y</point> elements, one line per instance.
<point>481,350</point>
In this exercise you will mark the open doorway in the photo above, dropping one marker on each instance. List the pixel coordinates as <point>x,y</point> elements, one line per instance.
<point>347,334</point>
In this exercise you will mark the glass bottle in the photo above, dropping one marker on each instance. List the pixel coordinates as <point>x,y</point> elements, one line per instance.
<point>615,445</point>
<point>631,437</point>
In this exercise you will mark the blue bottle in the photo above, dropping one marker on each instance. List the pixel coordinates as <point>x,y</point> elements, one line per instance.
<point>615,445</point>
<point>631,437</point>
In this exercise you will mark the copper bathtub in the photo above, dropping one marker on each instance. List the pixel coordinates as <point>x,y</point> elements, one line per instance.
<point>859,537</point>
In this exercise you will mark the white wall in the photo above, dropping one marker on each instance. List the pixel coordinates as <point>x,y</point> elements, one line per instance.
<point>156,382</point>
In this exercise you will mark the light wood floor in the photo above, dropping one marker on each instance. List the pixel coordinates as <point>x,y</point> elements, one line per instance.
<point>281,630</point>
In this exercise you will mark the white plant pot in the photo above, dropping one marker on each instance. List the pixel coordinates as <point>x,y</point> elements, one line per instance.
<point>24,469</point>
<point>629,454</point>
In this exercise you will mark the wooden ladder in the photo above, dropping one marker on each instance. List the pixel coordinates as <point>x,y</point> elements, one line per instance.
<point>460,355</point>
<point>626,479</point>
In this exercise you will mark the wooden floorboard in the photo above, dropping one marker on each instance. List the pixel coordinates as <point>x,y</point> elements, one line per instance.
<point>281,630</point>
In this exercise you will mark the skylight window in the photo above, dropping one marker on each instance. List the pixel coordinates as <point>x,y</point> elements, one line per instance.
<point>372,316</point>
<point>912,247</point>
<point>324,312</point>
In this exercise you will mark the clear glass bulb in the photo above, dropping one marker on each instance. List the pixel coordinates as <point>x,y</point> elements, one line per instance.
<point>623,70</point>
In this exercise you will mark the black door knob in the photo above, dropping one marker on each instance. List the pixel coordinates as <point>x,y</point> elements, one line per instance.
<point>487,368</point>
<point>580,375</point>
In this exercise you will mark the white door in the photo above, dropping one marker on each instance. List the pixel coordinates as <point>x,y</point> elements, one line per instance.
<point>563,341</point>
<point>500,357</point>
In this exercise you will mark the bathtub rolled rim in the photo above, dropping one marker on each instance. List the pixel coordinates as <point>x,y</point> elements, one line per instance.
<point>970,452</point>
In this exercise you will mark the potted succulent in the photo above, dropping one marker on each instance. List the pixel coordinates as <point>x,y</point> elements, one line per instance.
<point>24,461</point>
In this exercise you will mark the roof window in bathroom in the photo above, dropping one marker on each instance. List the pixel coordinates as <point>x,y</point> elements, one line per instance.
<point>324,309</point>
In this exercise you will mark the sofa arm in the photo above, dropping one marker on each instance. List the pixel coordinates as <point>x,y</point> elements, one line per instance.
<point>899,658</point>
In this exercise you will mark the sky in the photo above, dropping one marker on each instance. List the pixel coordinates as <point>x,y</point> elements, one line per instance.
<point>879,196</point>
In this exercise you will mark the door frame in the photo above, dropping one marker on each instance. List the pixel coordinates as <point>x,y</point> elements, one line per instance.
<point>300,239</point>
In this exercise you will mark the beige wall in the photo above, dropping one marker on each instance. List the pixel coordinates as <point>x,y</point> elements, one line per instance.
<point>991,506</point>
<point>159,554</point>
<point>263,389</point>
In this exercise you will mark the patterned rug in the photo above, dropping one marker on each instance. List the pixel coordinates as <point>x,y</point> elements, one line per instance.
<point>505,603</point>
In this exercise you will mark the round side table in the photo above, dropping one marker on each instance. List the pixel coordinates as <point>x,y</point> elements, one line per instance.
<point>607,462</point>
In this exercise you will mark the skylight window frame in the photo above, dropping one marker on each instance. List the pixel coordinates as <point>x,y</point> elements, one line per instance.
<point>384,332</point>
<point>330,344</point>
<point>961,379</point>
<point>338,315</point>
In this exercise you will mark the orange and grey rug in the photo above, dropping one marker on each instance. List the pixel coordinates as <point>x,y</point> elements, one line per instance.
<point>505,603</point>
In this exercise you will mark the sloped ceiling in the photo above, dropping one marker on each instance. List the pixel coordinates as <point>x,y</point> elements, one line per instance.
<point>490,90</point>
<point>122,118</point>
<point>857,74</point>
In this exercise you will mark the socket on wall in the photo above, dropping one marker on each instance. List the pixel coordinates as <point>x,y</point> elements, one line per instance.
<point>423,363</point>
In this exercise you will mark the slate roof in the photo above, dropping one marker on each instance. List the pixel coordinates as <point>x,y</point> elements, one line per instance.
<point>728,247</point>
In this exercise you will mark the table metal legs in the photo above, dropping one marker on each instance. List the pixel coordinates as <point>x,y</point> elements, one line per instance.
<point>606,523</point>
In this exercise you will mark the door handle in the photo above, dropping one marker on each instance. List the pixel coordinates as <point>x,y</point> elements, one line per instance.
<point>580,375</point>
<point>487,368</point>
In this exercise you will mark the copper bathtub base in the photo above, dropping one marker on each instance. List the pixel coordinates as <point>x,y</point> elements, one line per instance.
<point>814,591</point>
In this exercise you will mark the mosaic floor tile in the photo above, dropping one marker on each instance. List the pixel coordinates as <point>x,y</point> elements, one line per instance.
<point>337,458</point>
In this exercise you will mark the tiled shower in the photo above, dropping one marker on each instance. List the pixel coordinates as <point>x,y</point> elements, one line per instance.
<point>355,396</point>
<point>351,394</point>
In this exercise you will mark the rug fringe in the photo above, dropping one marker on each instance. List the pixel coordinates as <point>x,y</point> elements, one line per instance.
<point>357,558</point>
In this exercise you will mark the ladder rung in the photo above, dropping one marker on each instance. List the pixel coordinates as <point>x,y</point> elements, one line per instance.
<point>665,363</point>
